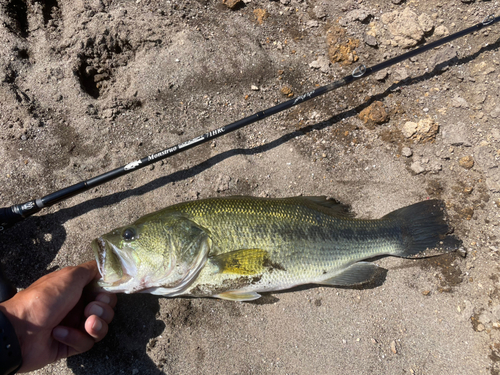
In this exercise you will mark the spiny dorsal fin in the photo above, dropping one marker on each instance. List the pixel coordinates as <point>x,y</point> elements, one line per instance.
<point>242,262</point>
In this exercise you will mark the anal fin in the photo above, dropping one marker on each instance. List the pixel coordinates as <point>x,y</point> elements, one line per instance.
<point>356,274</point>
<point>234,295</point>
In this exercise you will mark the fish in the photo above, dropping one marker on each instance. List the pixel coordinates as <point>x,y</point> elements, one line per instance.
<point>236,248</point>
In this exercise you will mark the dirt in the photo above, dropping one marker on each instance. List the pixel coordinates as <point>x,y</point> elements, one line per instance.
<point>88,86</point>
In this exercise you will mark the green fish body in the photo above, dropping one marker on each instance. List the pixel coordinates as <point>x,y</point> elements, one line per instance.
<point>237,247</point>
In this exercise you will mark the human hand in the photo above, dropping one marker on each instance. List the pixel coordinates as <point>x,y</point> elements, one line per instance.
<point>56,318</point>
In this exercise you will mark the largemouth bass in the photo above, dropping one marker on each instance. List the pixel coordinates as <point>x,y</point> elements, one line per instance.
<point>237,247</point>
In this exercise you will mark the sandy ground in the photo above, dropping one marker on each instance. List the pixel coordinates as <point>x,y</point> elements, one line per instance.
<point>88,86</point>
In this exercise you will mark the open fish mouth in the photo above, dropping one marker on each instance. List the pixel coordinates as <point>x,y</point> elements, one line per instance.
<point>111,267</point>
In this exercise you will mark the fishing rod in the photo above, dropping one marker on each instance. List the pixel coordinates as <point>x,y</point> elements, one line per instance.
<point>16,213</point>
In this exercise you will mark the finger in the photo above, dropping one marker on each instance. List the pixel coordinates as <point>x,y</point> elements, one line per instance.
<point>77,341</point>
<point>108,298</point>
<point>96,327</point>
<point>101,310</point>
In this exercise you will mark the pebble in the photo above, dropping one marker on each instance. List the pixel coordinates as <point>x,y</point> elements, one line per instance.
<point>459,102</point>
<point>457,134</point>
<point>406,151</point>
<point>495,113</point>
<point>381,75</point>
<point>393,347</point>
<point>360,15</point>
<point>231,4</point>
<point>287,91</point>
<point>441,31</point>
<point>370,40</point>
<point>254,88</point>
<point>401,74</point>
<point>446,54</point>
<point>409,129</point>
<point>374,113</point>
<point>480,327</point>
<point>322,63</point>
<point>466,162</point>
<point>417,167</point>
<point>425,22</point>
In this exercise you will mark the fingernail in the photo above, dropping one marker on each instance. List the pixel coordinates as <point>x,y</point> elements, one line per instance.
<point>96,310</point>
<point>60,333</point>
<point>97,325</point>
<point>104,298</point>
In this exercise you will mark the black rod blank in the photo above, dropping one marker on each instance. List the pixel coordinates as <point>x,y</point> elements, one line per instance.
<point>11,215</point>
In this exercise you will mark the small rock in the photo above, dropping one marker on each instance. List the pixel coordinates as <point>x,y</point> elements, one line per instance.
<point>287,91</point>
<point>495,113</point>
<point>409,129</point>
<point>322,63</point>
<point>417,167</point>
<point>340,48</point>
<point>401,74</point>
<point>360,15</point>
<point>441,31</point>
<point>406,151</point>
<point>404,27</point>
<point>374,113</point>
<point>370,40</point>
<point>457,134</point>
<point>312,23</point>
<point>459,102</point>
<point>442,58</point>
<point>466,162</point>
<point>319,11</point>
<point>480,327</point>
<point>381,75</point>
<point>254,88</point>
<point>222,183</point>
<point>425,22</point>
<point>260,15</point>
<point>393,347</point>
<point>231,4</point>
<point>426,130</point>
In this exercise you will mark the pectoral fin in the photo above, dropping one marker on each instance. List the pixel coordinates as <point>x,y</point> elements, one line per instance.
<point>244,262</point>
<point>356,274</point>
<point>238,296</point>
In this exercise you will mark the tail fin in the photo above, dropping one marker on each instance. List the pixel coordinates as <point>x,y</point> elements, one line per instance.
<point>424,230</point>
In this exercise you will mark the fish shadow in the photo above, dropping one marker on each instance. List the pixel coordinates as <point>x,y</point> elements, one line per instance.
<point>132,329</point>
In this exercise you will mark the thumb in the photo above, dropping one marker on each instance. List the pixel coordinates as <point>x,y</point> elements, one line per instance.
<point>77,341</point>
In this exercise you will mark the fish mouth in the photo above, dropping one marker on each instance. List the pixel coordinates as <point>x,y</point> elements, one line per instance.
<point>112,269</point>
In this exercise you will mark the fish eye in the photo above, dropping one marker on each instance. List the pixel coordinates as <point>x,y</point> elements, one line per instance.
<point>128,234</point>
